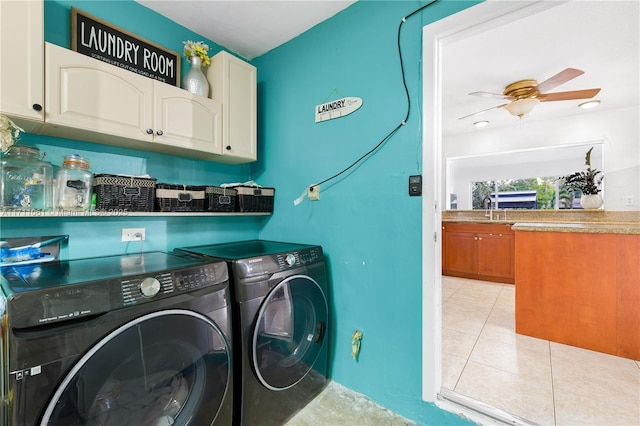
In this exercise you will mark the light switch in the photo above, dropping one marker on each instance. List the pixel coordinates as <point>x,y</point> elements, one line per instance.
<point>415,185</point>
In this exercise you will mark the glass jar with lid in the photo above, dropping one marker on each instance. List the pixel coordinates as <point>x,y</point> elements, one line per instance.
<point>25,180</point>
<point>74,184</point>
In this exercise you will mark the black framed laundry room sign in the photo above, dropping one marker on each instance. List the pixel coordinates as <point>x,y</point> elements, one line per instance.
<point>101,40</point>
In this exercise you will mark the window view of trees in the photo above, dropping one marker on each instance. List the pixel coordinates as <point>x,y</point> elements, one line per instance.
<point>535,193</point>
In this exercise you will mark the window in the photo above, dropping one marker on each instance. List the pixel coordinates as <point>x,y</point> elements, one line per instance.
<point>540,193</point>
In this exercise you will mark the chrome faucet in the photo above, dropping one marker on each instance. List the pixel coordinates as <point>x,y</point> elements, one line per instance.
<point>489,210</point>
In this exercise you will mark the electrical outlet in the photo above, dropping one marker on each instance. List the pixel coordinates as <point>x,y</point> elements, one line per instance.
<point>314,192</point>
<point>628,200</point>
<point>133,234</point>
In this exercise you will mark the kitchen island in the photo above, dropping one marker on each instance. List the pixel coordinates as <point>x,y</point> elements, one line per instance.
<point>579,284</point>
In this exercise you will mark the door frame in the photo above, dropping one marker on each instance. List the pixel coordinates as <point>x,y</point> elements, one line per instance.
<point>467,23</point>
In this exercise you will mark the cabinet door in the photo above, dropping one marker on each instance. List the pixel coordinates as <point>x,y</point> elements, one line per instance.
<point>496,255</point>
<point>460,255</point>
<point>84,93</point>
<point>186,120</point>
<point>233,83</point>
<point>22,62</point>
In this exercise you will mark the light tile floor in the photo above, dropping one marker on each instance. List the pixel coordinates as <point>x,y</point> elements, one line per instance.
<point>544,382</point>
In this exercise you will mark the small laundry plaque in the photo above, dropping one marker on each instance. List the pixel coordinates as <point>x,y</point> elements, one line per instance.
<point>338,108</point>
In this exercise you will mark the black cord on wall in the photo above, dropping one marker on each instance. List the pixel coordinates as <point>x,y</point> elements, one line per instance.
<point>403,122</point>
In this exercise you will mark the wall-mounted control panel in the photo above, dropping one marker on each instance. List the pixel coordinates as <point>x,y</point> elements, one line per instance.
<point>415,185</point>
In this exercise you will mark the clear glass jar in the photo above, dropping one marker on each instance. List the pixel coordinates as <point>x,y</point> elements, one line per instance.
<point>25,180</point>
<point>74,184</point>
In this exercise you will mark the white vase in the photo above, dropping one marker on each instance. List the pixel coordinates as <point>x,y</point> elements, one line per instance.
<point>591,201</point>
<point>194,80</point>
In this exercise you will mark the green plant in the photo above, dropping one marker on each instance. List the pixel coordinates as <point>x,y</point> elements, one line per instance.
<point>586,181</point>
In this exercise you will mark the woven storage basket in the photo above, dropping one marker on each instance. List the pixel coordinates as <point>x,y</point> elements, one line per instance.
<point>124,193</point>
<point>254,199</point>
<point>179,198</point>
<point>220,199</point>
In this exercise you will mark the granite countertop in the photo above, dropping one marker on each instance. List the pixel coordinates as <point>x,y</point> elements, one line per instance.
<point>585,221</point>
<point>591,228</point>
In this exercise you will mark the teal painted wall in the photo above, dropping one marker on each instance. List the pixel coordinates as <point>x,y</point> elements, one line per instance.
<point>367,224</point>
<point>91,236</point>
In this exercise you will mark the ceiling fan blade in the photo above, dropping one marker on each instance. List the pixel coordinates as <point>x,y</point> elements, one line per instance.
<point>567,96</point>
<point>482,112</point>
<point>492,95</point>
<point>558,79</point>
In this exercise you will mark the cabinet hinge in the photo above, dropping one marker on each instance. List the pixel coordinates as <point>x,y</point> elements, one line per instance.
<point>435,237</point>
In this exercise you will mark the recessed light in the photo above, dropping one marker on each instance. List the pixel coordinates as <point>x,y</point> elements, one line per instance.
<point>483,123</point>
<point>589,104</point>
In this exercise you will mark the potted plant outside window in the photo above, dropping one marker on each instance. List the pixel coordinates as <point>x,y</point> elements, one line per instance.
<point>588,183</point>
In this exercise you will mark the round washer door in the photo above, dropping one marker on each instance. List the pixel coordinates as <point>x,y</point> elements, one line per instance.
<point>166,367</point>
<point>289,332</point>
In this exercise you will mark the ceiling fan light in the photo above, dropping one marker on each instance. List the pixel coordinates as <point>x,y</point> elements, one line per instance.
<point>483,123</point>
<point>589,104</point>
<point>521,107</point>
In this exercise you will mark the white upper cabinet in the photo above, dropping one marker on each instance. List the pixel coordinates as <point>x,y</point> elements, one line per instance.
<point>103,103</point>
<point>22,62</point>
<point>233,83</point>
<point>55,91</point>
<point>187,120</point>
<point>84,93</point>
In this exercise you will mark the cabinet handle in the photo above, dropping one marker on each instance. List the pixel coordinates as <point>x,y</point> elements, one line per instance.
<point>228,147</point>
<point>37,107</point>
<point>475,238</point>
<point>480,238</point>
<point>149,131</point>
<point>159,133</point>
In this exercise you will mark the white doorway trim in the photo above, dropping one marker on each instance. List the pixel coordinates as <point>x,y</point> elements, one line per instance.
<point>467,23</point>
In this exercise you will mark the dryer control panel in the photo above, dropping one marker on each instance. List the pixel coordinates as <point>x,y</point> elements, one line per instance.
<point>298,258</point>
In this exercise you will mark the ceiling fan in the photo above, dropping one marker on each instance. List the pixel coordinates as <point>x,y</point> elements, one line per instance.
<point>524,95</point>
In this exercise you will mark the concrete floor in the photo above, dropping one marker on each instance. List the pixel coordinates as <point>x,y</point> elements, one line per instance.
<point>339,406</point>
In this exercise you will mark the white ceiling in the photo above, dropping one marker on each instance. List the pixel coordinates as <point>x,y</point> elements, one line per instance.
<point>248,28</point>
<point>601,38</point>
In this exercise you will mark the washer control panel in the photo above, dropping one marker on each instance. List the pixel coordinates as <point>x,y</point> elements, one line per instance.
<point>141,288</point>
<point>299,258</point>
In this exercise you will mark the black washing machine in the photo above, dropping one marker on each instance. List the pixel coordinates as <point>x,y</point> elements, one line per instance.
<point>140,339</point>
<point>279,294</point>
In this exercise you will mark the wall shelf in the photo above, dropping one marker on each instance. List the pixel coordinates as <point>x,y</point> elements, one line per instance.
<point>109,214</point>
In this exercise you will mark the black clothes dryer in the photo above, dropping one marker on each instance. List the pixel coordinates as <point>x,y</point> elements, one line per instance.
<point>279,294</point>
<point>140,339</point>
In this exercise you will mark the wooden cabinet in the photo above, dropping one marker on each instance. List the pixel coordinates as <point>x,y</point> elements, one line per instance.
<point>233,83</point>
<point>87,97</point>
<point>479,251</point>
<point>580,289</point>
<point>628,296</point>
<point>22,62</point>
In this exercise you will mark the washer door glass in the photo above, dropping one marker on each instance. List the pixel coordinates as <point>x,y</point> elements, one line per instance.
<point>289,332</point>
<point>166,367</point>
